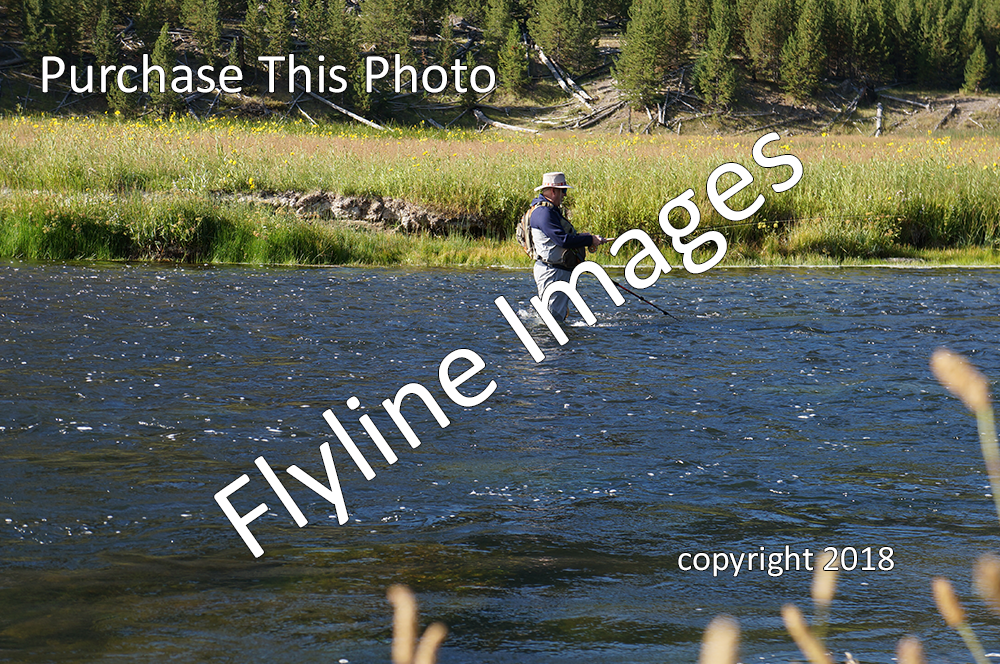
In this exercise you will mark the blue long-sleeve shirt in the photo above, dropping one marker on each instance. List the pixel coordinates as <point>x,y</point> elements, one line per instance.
<point>549,221</point>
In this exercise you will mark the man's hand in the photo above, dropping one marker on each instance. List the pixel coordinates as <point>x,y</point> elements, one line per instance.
<point>598,241</point>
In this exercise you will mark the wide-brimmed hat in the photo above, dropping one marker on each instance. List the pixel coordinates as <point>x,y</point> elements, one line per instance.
<point>553,180</point>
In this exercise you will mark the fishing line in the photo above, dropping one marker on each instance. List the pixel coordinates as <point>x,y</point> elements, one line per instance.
<point>763,224</point>
<point>644,300</point>
<point>774,222</point>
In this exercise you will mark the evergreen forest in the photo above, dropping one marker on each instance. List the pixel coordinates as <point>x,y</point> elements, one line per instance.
<point>717,46</point>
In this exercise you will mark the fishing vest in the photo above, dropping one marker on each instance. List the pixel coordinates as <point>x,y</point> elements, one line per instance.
<point>548,251</point>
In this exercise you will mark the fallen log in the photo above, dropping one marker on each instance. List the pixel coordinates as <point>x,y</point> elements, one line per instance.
<point>562,82</point>
<point>311,121</point>
<point>455,119</point>
<point>432,122</point>
<point>593,118</point>
<point>346,112</point>
<point>848,111</point>
<point>569,81</point>
<point>493,123</point>
<point>947,115</point>
<point>926,107</point>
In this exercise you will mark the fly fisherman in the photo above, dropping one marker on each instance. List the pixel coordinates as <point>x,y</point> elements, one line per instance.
<point>558,247</point>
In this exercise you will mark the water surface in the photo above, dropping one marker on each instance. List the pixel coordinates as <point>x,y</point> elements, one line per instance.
<point>785,408</point>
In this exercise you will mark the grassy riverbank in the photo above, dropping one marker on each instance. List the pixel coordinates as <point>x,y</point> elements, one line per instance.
<point>96,188</point>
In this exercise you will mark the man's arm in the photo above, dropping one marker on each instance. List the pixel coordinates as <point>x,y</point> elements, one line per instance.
<point>546,221</point>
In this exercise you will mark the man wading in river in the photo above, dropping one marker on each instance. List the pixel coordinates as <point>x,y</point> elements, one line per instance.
<point>558,248</point>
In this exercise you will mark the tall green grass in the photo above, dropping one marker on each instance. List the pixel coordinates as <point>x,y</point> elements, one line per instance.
<point>192,228</point>
<point>860,198</point>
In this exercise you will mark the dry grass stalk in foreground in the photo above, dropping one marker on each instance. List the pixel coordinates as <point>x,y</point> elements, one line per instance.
<point>405,650</point>
<point>954,617</point>
<point>964,381</point>
<point>987,576</point>
<point>824,586</point>
<point>961,379</point>
<point>721,642</point>
<point>807,642</point>
<point>909,651</point>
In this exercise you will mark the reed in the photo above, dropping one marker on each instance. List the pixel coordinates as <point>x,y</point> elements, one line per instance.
<point>721,642</point>
<point>987,577</point>
<point>954,617</point>
<point>909,651</point>
<point>963,380</point>
<point>824,587</point>
<point>810,645</point>
<point>860,199</point>
<point>405,647</point>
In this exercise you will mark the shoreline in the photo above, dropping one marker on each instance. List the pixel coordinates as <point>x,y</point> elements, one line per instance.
<point>284,193</point>
<point>675,267</point>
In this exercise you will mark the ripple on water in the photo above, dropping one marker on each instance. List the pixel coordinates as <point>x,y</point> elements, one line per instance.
<point>785,408</point>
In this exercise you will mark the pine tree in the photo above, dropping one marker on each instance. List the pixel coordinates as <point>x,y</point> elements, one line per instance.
<point>638,71</point>
<point>940,27</point>
<point>499,19</point>
<point>870,32</point>
<point>972,31</point>
<point>470,97</point>
<point>149,20</point>
<point>164,56</point>
<point>386,25</point>
<point>106,48</point>
<point>715,75</point>
<point>67,22</point>
<point>254,36</point>
<point>311,22</point>
<point>566,31</point>
<point>107,51</point>
<point>339,46</point>
<point>425,14</point>
<point>907,38</point>
<point>838,37</point>
<point>991,24</point>
<point>699,20</point>
<point>770,27</point>
<point>803,55</point>
<point>676,34</point>
<point>977,69</point>
<point>743,19</point>
<point>473,11</point>
<point>446,47</point>
<point>513,62</point>
<point>202,18</point>
<point>9,28</point>
<point>277,29</point>
<point>359,92</point>
<point>39,31</point>
<point>314,29</point>
<point>235,57</point>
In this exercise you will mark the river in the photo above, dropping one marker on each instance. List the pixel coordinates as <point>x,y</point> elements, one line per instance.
<point>782,411</point>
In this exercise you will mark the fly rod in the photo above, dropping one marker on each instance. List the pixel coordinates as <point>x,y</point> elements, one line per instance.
<point>644,299</point>
<point>605,240</point>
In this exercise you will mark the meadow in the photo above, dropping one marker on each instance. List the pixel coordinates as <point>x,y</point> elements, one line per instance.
<point>162,189</point>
